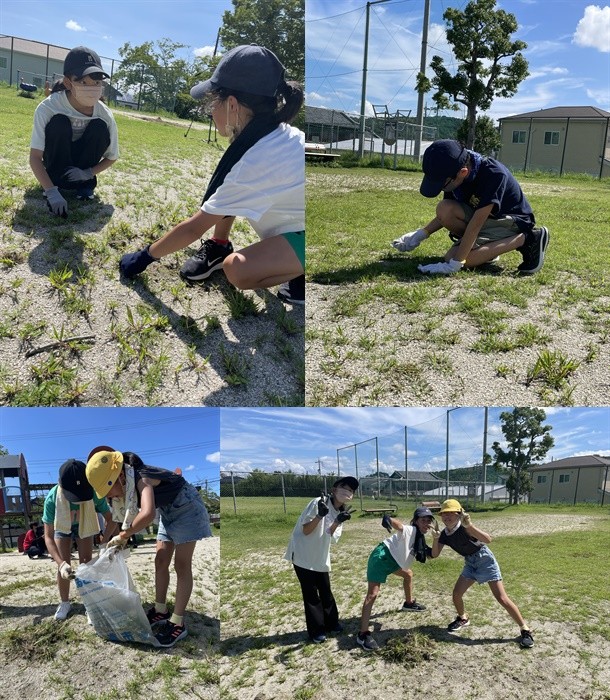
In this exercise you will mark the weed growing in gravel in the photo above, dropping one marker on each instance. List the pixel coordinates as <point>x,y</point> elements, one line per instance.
<point>38,642</point>
<point>553,368</point>
<point>410,650</point>
<point>235,366</point>
<point>241,305</point>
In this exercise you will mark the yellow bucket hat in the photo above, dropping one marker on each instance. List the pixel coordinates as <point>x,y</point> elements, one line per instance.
<point>103,469</point>
<point>451,505</point>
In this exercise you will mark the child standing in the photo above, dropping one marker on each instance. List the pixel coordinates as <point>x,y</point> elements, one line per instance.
<point>75,135</point>
<point>480,566</point>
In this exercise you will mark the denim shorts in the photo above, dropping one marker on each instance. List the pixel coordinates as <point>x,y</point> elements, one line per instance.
<point>67,535</point>
<point>184,520</point>
<point>380,565</point>
<point>481,566</point>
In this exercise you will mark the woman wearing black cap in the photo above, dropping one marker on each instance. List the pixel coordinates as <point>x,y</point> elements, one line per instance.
<point>319,526</point>
<point>75,135</point>
<point>261,177</point>
<point>70,512</point>
<point>395,555</point>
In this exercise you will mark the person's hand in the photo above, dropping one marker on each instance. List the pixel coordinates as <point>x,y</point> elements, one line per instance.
<point>77,175</point>
<point>442,268</point>
<point>118,541</point>
<point>410,241</point>
<point>466,520</point>
<point>322,505</point>
<point>133,264</point>
<point>386,522</point>
<point>65,571</point>
<point>434,531</point>
<point>345,515</point>
<point>56,203</point>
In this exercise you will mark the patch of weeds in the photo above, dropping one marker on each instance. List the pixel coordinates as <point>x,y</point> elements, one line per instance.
<point>553,368</point>
<point>39,642</point>
<point>439,361</point>
<point>286,323</point>
<point>235,366</point>
<point>529,334</point>
<point>241,305</point>
<point>59,277</point>
<point>12,256</point>
<point>503,370</point>
<point>55,384</point>
<point>592,353</point>
<point>31,330</point>
<point>399,374</point>
<point>489,342</point>
<point>197,364</point>
<point>410,650</point>
<point>366,342</point>
<point>212,323</point>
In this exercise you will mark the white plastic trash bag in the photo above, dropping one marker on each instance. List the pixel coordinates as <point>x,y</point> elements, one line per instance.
<point>110,598</point>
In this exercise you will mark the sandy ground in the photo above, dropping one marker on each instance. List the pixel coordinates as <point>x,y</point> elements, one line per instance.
<point>267,656</point>
<point>95,666</point>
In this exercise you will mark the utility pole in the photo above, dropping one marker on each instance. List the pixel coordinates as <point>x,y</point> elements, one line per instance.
<point>422,69</point>
<point>319,463</point>
<point>484,454</point>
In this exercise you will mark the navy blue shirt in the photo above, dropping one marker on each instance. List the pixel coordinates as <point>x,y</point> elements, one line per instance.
<point>165,492</point>
<point>495,184</point>
<point>460,541</point>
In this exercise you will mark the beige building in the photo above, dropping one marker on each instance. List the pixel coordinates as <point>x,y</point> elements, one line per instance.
<point>557,140</point>
<point>572,480</point>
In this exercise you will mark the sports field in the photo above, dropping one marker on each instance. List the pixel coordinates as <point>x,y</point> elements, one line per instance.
<point>554,561</point>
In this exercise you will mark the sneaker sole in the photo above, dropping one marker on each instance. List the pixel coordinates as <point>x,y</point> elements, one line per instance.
<point>544,242</point>
<point>288,300</point>
<point>171,644</point>
<point>459,629</point>
<point>411,610</point>
<point>203,275</point>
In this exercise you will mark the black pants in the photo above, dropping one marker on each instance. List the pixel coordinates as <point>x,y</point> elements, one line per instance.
<point>34,551</point>
<point>321,614</point>
<point>61,153</point>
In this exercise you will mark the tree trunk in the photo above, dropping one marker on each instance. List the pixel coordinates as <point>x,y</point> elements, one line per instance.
<point>472,121</point>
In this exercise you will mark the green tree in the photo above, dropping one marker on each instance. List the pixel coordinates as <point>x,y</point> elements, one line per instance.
<point>481,39</point>
<point>278,25</point>
<point>528,442</point>
<point>487,137</point>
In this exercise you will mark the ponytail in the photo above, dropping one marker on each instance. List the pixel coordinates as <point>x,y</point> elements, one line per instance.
<point>293,97</point>
<point>133,460</point>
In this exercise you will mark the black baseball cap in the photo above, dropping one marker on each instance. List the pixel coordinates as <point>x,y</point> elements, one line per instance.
<point>82,61</point>
<point>249,68</point>
<point>73,481</point>
<point>442,160</point>
<point>347,481</point>
<point>422,513</point>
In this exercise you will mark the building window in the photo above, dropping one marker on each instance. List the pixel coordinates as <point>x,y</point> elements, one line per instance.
<point>564,478</point>
<point>551,138</point>
<point>542,478</point>
<point>519,136</point>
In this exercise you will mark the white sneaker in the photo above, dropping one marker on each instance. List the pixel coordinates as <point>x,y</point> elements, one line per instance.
<point>88,619</point>
<point>62,610</point>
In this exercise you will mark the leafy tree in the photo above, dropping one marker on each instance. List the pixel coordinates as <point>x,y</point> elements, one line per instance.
<point>481,40</point>
<point>528,441</point>
<point>278,25</point>
<point>487,137</point>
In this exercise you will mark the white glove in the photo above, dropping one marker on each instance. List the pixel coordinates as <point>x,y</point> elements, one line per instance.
<point>443,268</point>
<point>434,531</point>
<point>65,570</point>
<point>466,521</point>
<point>118,541</point>
<point>410,241</point>
<point>56,203</point>
<point>77,175</point>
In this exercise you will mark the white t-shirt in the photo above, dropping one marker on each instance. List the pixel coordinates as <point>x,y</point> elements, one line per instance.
<point>267,185</point>
<point>58,103</point>
<point>401,545</point>
<point>313,551</point>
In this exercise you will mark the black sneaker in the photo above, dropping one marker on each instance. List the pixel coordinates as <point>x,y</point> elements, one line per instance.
<point>319,639</point>
<point>293,292</point>
<point>206,260</point>
<point>337,629</point>
<point>458,624</point>
<point>526,640</point>
<point>367,642</point>
<point>536,242</point>
<point>84,193</point>
<point>170,634</point>
<point>414,606</point>
<point>157,618</point>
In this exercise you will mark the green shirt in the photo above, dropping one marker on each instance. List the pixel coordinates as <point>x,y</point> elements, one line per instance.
<point>48,513</point>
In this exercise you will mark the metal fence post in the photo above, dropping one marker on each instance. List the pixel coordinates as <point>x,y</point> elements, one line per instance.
<point>283,493</point>
<point>233,490</point>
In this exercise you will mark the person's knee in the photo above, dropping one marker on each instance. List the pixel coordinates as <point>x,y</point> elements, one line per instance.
<point>182,568</point>
<point>59,124</point>
<point>162,560</point>
<point>445,211</point>
<point>236,270</point>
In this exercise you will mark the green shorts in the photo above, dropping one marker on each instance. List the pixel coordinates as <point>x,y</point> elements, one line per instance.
<point>381,564</point>
<point>492,229</point>
<point>297,243</point>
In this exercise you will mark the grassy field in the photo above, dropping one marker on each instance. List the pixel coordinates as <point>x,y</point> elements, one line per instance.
<point>378,331</point>
<point>73,333</point>
<point>554,560</point>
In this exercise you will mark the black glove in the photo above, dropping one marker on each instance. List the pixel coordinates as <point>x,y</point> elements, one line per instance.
<point>385,522</point>
<point>345,515</point>
<point>133,264</point>
<point>322,507</point>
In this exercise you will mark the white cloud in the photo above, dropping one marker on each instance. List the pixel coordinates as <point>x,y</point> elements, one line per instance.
<point>204,51</point>
<point>543,71</point>
<point>602,97</point>
<point>593,30</point>
<point>213,457</point>
<point>75,26</point>
<point>189,468</point>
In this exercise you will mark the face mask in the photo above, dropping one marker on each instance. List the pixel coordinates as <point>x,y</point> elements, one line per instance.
<point>87,95</point>
<point>343,495</point>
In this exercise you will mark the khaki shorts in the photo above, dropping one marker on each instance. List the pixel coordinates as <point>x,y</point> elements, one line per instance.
<point>492,229</point>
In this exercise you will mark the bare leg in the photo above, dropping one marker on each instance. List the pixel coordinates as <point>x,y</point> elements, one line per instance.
<point>223,228</point>
<point>497,588</point>
<point>64,547</point>
<point>489,251</point>
<point>263,264</point>
<point>85,549</point>
<point>183,563</point>
<point>163,559</point>
<point>451,215</point>
<point>407,583</point>
<point>461,586</point>
<point>369,601</point>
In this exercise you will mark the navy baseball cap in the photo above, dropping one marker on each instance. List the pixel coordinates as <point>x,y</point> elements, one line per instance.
<point>422,513</point>
<point>73,481</point>
<point>442,160</point>
<point>82,61</point>
<point>248,68</point>
<point>347,481</point>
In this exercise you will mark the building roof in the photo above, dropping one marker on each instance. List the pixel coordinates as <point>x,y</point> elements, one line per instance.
<point>415,475</point>
<point>562,113</point>
<point>574,462</point>
<point>321,115</point>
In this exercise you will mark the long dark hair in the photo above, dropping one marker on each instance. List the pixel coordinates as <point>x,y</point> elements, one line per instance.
<point>284,107</point>
<point>133,460</point>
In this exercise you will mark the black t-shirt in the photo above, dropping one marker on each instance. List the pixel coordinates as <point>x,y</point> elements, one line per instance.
<point>165,492</point>
<point>495,184</point>
<point>460,541</point>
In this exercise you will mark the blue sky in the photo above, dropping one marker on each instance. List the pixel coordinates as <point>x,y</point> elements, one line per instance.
<point>295,438</point>
<point>164,437</point>
<point>105,25</point>
<point>568,53</point>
